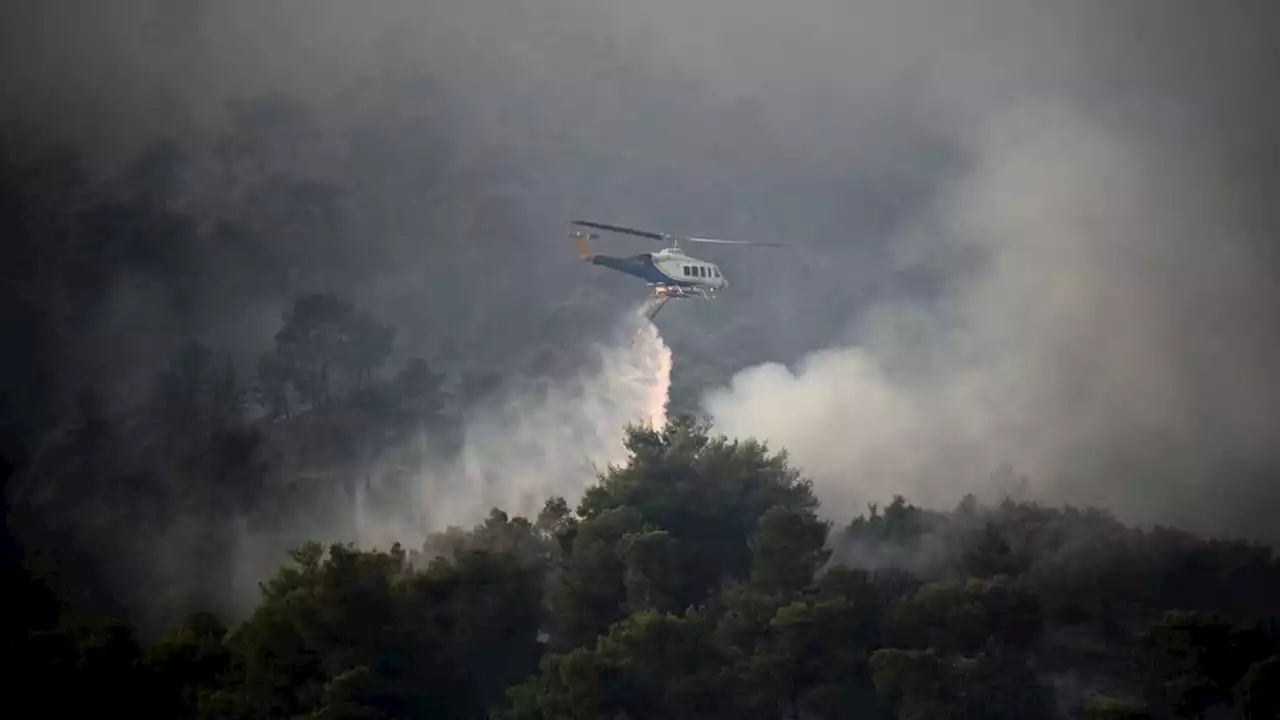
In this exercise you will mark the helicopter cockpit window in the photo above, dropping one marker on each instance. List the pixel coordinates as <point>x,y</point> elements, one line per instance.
<point>716,271</point>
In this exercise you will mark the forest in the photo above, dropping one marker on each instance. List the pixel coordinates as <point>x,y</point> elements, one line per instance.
<point>227,340</point>
<point>697,581</point>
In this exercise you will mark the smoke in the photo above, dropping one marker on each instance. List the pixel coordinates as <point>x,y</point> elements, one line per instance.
<point>1104,327</point>
<point>1023,233</point>
<point>544,441</point>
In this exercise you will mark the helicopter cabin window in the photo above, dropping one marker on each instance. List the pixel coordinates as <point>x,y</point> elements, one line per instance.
<point>702,270</point>
<point>687,270</point>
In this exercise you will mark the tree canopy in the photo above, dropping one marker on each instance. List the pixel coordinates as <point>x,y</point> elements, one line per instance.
<point>696,580</point>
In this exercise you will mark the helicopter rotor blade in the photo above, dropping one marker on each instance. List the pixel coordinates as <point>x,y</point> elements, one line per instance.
<point>730,242</point>
<point>668,237</point>
<point>623,230</point>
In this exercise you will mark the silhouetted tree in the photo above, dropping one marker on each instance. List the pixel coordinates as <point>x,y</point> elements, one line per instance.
<point>315,342</point>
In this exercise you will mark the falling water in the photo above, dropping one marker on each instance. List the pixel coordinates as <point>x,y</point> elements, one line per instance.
<point>534,447</point>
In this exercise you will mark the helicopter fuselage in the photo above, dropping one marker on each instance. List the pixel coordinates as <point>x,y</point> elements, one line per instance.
<point>670,272</point>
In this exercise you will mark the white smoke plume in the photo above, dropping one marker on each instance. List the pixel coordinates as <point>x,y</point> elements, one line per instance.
<point>1102,329</point>
<point>551,442</point>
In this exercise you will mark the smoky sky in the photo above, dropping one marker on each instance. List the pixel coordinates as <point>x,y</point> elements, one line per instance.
<point>1016,232</point>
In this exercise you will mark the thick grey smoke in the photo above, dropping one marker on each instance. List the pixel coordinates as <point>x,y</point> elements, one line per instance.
<point>1019,232</point>
<point>540,442</point>
<point>1109,339</point>
<point>1104,321</point>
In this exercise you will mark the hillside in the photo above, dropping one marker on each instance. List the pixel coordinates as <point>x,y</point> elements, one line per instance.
<point>696,581</point>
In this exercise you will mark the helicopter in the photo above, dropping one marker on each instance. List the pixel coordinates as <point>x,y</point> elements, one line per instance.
<point>669,271</point>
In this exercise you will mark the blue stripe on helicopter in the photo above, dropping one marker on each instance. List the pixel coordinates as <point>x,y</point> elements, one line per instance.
<point>641,266</point>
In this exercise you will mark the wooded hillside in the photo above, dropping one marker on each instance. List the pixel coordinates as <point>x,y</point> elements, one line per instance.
<point>697,581</point>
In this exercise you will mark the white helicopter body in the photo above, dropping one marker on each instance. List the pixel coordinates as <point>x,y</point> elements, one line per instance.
<point>670,272</point>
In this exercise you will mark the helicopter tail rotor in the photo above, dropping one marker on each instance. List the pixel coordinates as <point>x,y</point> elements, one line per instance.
<point>579,240</point>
